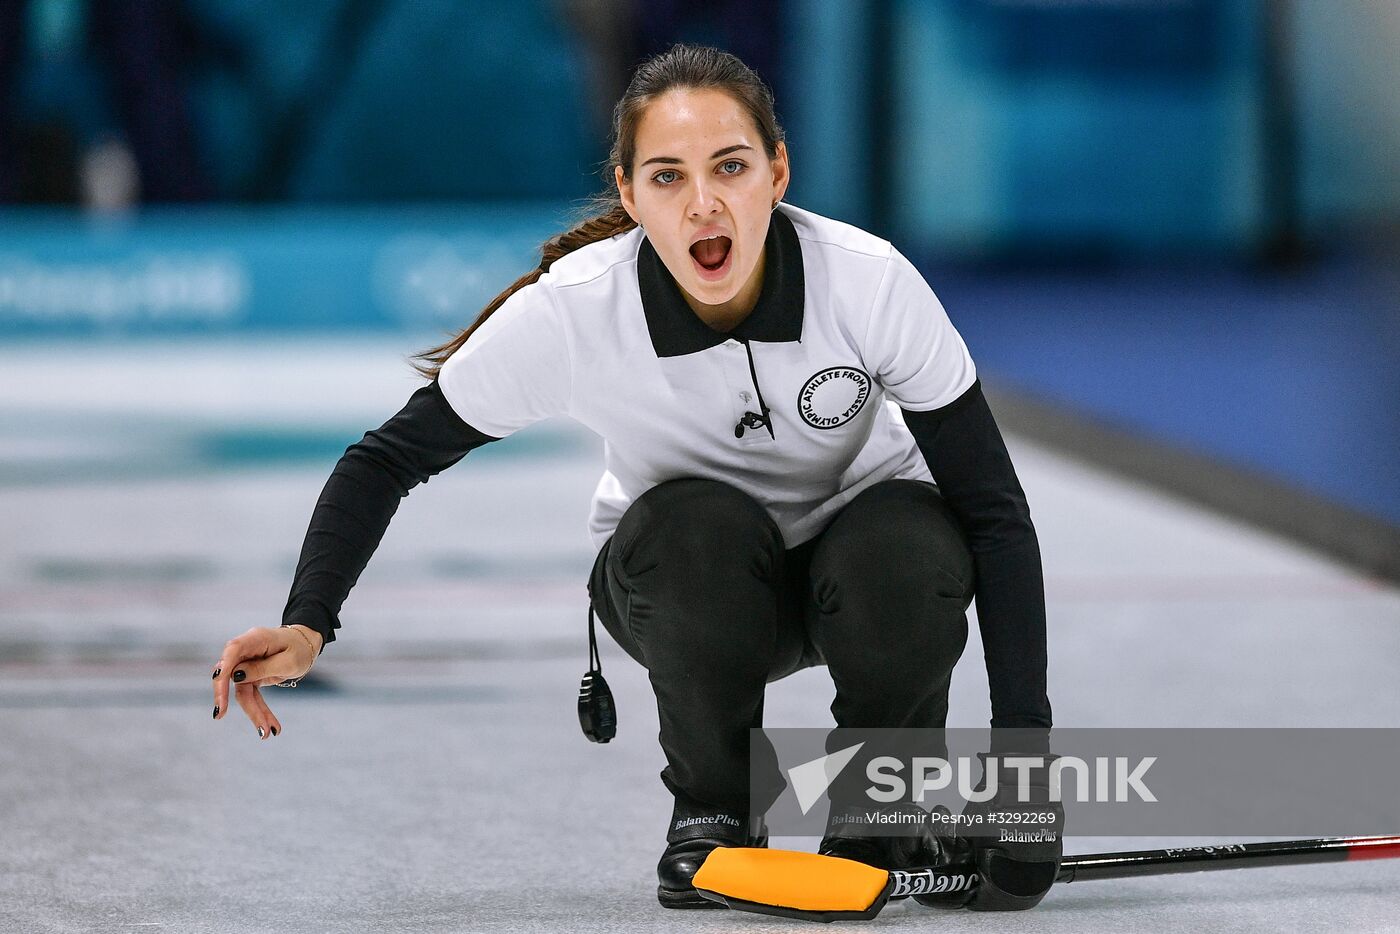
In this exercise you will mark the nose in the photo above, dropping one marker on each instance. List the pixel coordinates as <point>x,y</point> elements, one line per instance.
<point>703,199</point>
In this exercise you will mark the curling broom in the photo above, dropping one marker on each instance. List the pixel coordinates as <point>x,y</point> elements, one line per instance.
<point>802,885</point>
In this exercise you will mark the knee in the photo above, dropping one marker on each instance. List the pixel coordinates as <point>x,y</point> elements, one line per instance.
<point>695,524</point>
<point>894,543</point>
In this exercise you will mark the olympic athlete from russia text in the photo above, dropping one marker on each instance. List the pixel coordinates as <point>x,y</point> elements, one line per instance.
<point>801,470</point>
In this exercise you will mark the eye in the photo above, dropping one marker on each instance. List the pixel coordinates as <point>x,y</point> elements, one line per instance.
<point>657,177</point>
<point>734,162</point>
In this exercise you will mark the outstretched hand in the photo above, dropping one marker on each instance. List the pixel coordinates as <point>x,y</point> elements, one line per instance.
<point>260,657</point>
<point>1015,843</point>
<point>1020,843</point>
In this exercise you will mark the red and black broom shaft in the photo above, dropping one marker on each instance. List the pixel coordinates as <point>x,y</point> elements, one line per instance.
<point>1225,856</point>
<point>1087,867</point>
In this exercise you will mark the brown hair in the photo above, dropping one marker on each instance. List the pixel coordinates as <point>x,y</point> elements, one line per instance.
<point>681,66</point>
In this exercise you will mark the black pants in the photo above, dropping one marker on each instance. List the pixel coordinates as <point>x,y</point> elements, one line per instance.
<point>695,584</point>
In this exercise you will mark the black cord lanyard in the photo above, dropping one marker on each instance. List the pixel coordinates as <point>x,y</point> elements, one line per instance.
<point>597,714</point>
<point>754,419</point>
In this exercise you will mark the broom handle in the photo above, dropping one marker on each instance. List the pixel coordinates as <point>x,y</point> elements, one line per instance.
<point>1225,856</point>
<point>1086,867</point>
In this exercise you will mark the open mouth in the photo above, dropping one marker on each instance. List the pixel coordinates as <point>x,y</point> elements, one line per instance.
<point>712,256</point>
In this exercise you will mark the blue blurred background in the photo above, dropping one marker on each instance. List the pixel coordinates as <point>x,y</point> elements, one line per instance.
<point>1175,220</point>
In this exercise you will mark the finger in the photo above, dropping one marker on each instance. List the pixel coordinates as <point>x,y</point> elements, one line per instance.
<point>235,651</point>
<point>223,673</point>
<point>263,719</point>
<point>273,669</point>
<point>253,644</point>
<point>271,725</point>
<point>250,699</point>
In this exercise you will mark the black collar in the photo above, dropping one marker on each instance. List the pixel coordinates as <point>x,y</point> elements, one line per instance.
<point>676,330</point>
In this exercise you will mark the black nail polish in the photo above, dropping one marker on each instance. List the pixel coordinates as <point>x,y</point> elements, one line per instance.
<point>216,673</point>
<point>261,734</point>
<point>274,731</point>
<point>239,675</point>
<point>216,711</point>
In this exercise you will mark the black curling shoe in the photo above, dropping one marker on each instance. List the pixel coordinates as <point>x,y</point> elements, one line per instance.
<point>695,830</point>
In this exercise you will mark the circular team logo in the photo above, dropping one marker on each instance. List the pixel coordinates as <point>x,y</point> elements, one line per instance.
<point>833,397</point>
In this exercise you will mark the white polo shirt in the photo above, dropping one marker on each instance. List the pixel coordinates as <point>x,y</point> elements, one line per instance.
<point>845,333</point>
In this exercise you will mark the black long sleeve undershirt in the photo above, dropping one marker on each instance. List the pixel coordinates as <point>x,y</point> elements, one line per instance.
<point>969,462</point>
<point>362,495</point>
<point>960,442</point>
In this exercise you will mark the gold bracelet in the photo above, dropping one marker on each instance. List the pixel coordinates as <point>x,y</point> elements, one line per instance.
<point>307,640</point>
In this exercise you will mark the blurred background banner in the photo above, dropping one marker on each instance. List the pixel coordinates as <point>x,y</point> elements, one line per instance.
<point>286,268</point>
<point>1172,222</point>
<point>1089,128</point>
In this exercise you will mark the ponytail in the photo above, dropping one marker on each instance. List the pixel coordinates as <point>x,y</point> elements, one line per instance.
<point>613,220</point>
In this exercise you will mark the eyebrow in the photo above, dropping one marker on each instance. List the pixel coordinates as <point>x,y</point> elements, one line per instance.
<point>672,160</point>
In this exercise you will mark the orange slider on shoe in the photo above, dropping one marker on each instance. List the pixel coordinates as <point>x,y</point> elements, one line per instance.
<point>794,884</point>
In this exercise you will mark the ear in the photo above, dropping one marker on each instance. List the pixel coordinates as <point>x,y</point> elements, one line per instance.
<point>782,171</point>
<point>624,189</point>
